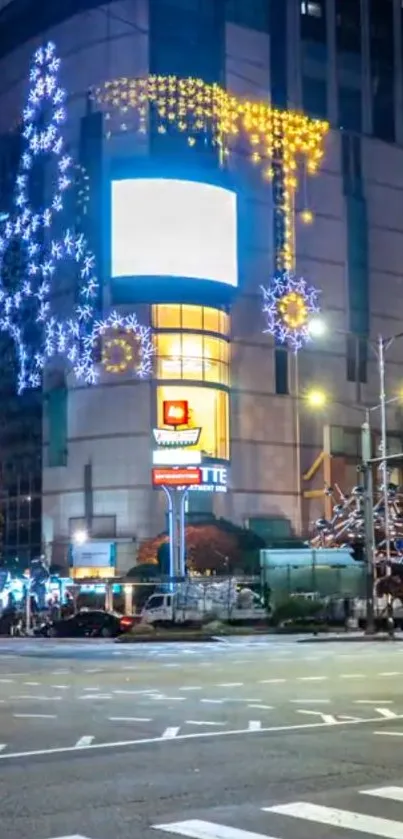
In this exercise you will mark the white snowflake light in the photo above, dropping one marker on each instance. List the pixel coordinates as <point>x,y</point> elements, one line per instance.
<point>26,313</point>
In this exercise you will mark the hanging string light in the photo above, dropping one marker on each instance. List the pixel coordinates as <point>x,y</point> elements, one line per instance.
<point>277,139</point>
<point>43,246</point>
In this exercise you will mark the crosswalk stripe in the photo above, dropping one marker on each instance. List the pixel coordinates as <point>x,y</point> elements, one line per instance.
<point>391,793</point>
<point>196,829</point>
<point>346,819</point>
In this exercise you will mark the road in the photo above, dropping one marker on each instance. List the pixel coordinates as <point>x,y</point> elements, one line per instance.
<point>234,740</point>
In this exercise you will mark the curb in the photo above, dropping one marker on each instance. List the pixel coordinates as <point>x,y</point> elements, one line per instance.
<point>363,639</point>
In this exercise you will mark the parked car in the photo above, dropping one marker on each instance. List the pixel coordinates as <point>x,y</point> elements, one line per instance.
<point>88,623</point>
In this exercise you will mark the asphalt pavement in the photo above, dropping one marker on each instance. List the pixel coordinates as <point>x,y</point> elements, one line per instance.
<point>237,739</point>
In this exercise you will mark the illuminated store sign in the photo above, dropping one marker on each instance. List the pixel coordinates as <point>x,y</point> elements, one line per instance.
<point>175,412</point>
<point>164,227</point>
<point>177,457</point>
<point>172,437</point>
<point>213,479</point>
<point>176,477</point>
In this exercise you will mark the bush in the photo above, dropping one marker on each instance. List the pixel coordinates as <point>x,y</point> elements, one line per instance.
<point>296,609</point>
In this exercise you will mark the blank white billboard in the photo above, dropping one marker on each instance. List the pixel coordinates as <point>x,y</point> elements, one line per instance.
<point>174,228</point>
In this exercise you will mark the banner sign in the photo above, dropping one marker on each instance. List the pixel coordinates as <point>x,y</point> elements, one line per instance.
<point>177,457</point>
<point>176,477</point>
<point>172,437</point>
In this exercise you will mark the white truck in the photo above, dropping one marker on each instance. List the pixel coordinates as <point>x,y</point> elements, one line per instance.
<point>189,606</point>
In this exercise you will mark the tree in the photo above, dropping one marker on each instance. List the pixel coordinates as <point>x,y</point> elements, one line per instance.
<point>216,545</point>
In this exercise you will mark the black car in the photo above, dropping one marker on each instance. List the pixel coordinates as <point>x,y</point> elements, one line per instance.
<point>88,623</point>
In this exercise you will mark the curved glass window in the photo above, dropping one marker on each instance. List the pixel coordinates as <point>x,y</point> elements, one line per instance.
<point>192,356</point>
<point>198,318</point>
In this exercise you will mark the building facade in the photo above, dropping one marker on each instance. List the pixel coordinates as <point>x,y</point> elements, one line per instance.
<point>339,60</point>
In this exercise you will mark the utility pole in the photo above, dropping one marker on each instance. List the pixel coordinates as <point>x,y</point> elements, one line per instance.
<point>384,472</point>
<point>366,454</point>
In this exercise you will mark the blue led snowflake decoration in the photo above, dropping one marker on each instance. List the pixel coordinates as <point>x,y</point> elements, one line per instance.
<point>289,304</point>
<point>26,311</point>
<point>116,324</point>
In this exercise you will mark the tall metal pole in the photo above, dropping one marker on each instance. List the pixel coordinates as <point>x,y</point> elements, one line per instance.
<point>366,455</point>
<point>298,446</point>
<point>384,467</point>
<point>182,534</point>
<point>171,529</point>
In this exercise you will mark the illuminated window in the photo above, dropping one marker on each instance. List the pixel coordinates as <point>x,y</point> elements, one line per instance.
<point>192,356</point>
<point>167,317</point>
<point>192,317</point>
<point>208,410</point>
<point>198,318</point>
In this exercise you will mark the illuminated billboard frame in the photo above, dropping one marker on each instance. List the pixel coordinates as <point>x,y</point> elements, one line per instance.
<point>168,227</point>
<point>168,288</point>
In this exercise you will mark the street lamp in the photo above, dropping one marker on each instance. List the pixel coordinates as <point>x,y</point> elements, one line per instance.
<point>80,537</point>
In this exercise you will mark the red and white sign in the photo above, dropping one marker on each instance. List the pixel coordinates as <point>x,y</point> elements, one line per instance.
<point>175,412</point>
<point>176,477</point>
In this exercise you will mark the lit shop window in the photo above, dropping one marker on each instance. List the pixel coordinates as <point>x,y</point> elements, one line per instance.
<point>198,318</point>
<point>192,356</point>
<point>208,410</point>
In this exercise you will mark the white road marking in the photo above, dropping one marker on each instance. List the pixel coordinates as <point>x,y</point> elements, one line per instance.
<point>32,684</point>
<point>254,725</point>
<point>130,719</point>
<point>197,829</point>
<point>391,793</point>
<point>373,701</point>
<point>84,741</point>
<point>213,701</point>
<point>391,673</point>
<point>99,669</point>
<point>329,719</point>
<point>352,675</point>
<point>191,688</point>
<point>142,741</point>
<point>170,732</point>
<point>93,696</point>
<point>2,746</point>
<point>37,698</point>
<point>264,707</point>
<point>76,836</point>
<point>6,681</point>
<point>60,687</point>
<point>203,722</point>
<point>35,716</point>
<point>331,816</point>
<point>92,690</point>
<point>312,679</point>
<point>390,733</point>
<point>272,681</point>
<point>136,692</point>
<point>387,713</point>
<point>230,685</point>
<point>162,698</point>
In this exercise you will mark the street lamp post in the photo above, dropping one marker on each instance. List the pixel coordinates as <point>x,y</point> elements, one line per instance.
<point>366,454</point>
